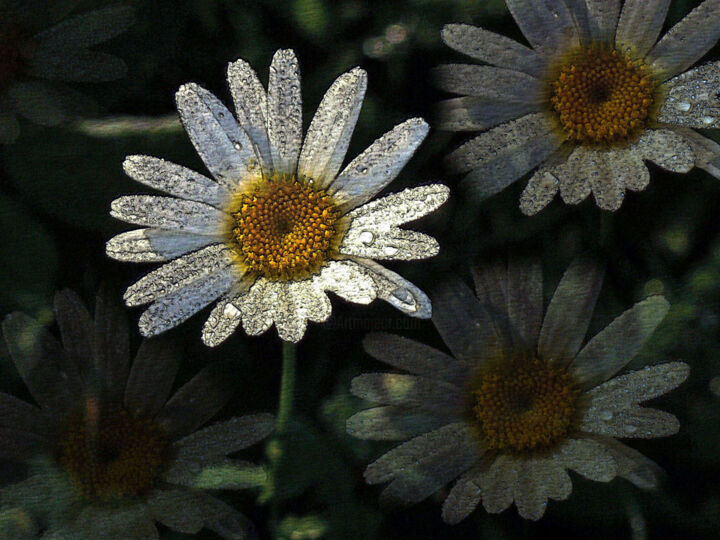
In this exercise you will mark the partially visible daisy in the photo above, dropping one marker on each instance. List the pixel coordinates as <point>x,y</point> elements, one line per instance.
<point>592,99</point>
<point>35,62</point>
<point>278,226</point>
<point>109,452</point>
<point>520,401</point>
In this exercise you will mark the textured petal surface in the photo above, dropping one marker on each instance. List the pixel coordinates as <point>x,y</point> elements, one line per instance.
<point>284,115</point>
<point>548,25</point>
<point>574,176</point>
<point>391,244</point>
<point>524,300</point>
<point>462,499</point>
<point>603,19</point>
<point>607,188</point>
<point>87,29</point>
<point>176,509</point>
<point>111,344</point>
<point>611,350</point>
<point>636,422</point>
<point>167,213</point>
<point>640,24</point>
<point>224,438</point>
<point>488,81</point>
<point>497,483</point>
<point>328,136</point>
<point>225,317</point>
<point>151,377</point>
<point>688,40</point>
<point>632,465</point>
<point>77,66</point>
<point>393,423</point>
<point>492,48</point>
<point>348,280</point>
<point>408,391</point>
<point>707,151</point>
<point>588,458</point>
<point>692,98</point>
<point>471,113</point>
<point>540,190</point>
<point>379,164</point>
<point>155,245</point>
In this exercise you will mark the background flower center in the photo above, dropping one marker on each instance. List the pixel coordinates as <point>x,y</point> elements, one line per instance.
<point>284,230</point>
<point>112,455</point>
<point>523,405</point>
<point>601,96</point>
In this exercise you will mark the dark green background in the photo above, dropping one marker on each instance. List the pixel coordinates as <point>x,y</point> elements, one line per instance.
<point>56,185</point>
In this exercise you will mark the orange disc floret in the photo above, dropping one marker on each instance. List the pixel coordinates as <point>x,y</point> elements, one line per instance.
<point>524,404</point>
<point>285,229</point>
<point>601,96</point>
<point>113,454</point>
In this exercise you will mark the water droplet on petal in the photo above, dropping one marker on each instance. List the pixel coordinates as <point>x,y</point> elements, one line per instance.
<point>237,146</point>
<point>629,428</point>
<point>683,106</point>
<point>367,238</point>
<point>362,169</point>
<point>390,250</point>
<point>606,415</point>
<point>708,120</point>
<point>404,299</point>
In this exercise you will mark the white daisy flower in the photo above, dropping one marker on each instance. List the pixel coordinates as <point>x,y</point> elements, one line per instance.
<point>278,226</point>
<point>520,400</point>
<point>36,60</point>
<point>109,450</point>
<point>593,99</point>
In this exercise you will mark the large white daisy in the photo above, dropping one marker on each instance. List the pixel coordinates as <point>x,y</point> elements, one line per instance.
<point>593,99</point>
<point>280,224</point>
<point>519,401</point>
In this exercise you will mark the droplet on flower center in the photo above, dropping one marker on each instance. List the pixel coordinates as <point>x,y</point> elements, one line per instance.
<point>523,405</point>
<point>600,96</point>
<point>283,229</point>
<point>112,454</point>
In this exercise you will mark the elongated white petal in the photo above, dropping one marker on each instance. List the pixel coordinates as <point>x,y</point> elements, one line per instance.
<point>398,208</point>
<point>488,81</point>
<point>539,192</point>
<point>177,274</point>
<point>462,499</point>
<point>574,176</point>
<point>667,149</point>
<point>607,188</point>
<point>707,151</point>
<point>395,244</point>
<point>409,391</point>
<point>497,482</point>
<point>155,245</point>
<point>587,457</point>
<point>692,98</point>
<point>603,18</point>
<point>175,180</point>
<point>348,280</point>
<point>224,317</point>
<point>379,164</point>
<point>636,422</point>
<point>167,213</point>
<point>640,24</point>
<point>87,29</point>
<point>548,25</point>
<point>328,136</point>
<point>393,423</point>
<point>284,113</point>
<point>471,113</point>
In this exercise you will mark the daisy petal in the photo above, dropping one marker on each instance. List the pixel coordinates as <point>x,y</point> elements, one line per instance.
<point>111,347</point>
<point>496,483</point>
<point>462,499</point>
<point>628,169</point>
<point>169,311</point>
<point>225,520</point>
<point>178,274</point>
<point>103,522</point>
<point>687,41</point>
<point>379,164</point>
<point>569,313</point>
<point>214,473</point>
<point>415,357</point>
<point>408,391</point>
<point>574,176</point>
<point>76,329</point>
<point>588,458</point>
<point>487,81</point>
<point>399,208</point>
<point>392,423</point>
<point>635,422</point>
<point>175,180</point>
<point>707,151</point>
<point>414,453</point>
<point>692,98</point>
<point>632,465</point>
<point>492,48</point>
<point>284,116</point>
<point>87,29</point>
<point>224,317</point>
<point>539,192</point>
<point>606,187</point>
<point>176,509</point>
<point>251,108</point>
<point>224,438</point>
<point>603,18</point>
<point>328,136</point>
<point>396,290</point>
<point>220,142</point>
<point>348,280</point>
<point>524,300</point>
<point>611,350</point>
<point>254,306</point>
<point>529,493</point>
<point>503,154</point>
<point>16,445</point>
<point>471,113</point>
<point>640,24</point>
<point>77,66</point>
<point>167,213</point>
<point>151,378</point>
<point>394,244</point>
<point>548,25</point>
<point>155,245</point>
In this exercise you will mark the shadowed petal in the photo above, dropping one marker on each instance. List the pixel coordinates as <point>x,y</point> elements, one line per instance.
<point>487,81</point>
<point>471,113</point>
<point>603,19</point>
<point>77,66</point>
<point>640,24</point>
<point>155,245</point>
<point>635,422</point>
<point>547,24</point>
<point>707,151</point>
<point>87,29</point>
<point>392,423</point>
<point>76,331</point>
<point>632,465</point>
<point>19,415</point>
<point>111,344</point>
<point>224,438</point>
<point>588,458</point>
<point>151,378</point>
<point>177,509</point>
<point>284,113</point>
<point>348,280</point>
<point>167,213</point>
<point>692,98</point>
<point>462,499</point>
<point>408,391</point>
<point>524,300</point>
<point>497,482</point>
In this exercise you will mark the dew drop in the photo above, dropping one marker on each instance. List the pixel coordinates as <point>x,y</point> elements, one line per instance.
<point>362,169</point>
<point>367,238</point>
<point>237,145</point>
<point>221,115</point>
<point>629,428</point>
<point>606,415</point>
<point>683,106</point>
<point>390,250</point>
<point>708,120</point>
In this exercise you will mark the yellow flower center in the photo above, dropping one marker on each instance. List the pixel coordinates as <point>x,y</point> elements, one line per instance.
<point>601,96</point>
<point>524,405</point>
<point>112,455</point>
<point>284,229</point>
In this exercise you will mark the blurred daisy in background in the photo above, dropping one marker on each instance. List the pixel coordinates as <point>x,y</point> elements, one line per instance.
<point>278,226</point>
<point>593,99</point>
<point>36,61</point>
<point>108,452</point>
<point>519,401</point>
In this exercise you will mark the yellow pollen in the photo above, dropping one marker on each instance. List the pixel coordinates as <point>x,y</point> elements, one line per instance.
<point>285,229</point>
<point>112,455</point>
<point>600,96</point>
<point>523,405</point>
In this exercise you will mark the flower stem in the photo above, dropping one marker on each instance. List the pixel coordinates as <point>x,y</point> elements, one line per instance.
<point>287,388</point>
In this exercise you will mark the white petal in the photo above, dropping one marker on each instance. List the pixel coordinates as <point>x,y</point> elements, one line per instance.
<point>471,113</point>
<point>492,48</point>
<point>167,213</point>
<point>603,19</point>
<point>687,41</point>
<point>348,280</point>
<point>640,24</point>
<point>395,244</point>
<point>707,151</point>
<point>256,306</point>
<point>87,29</point>
<point>177,274</point>
<point>251,108</point>
<point>540,190</point>
<point>284,111</point>
<point>547,24</point>
<point>587,457</point>
<point>390,423</point>
<point>692,98</point>
<point>574,176</point>
<point>628,168</point>
<point>224,317</point>
<point>399,208</point>
<point>607,186</point>
<point>636,422</point>
<point>175,180</point>
<point>328,136</point>
<point>171,310</point>
<point>155,245</point>
<point>488,81</point>
<point>497,483</point>
<point>220,142</point>
<point>409,391</point>
<point>379,164</point>
<point>462,499</point>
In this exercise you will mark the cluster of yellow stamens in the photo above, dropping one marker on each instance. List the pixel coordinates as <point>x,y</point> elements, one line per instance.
<point>285,229</point>
<point>601,96</point>
<point>111,455</point>
<point>523,404</point>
